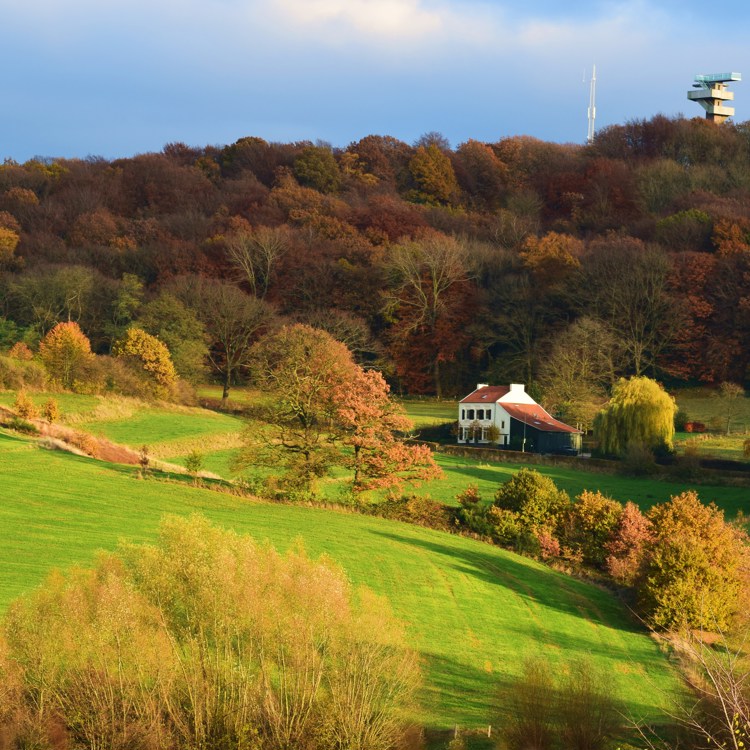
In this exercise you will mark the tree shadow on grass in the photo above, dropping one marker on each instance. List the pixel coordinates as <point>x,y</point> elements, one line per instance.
<point>529,580</point>
<point>468,698</point>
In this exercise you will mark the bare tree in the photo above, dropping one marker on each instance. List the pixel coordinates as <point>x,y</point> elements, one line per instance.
<point>626,286</point>
<point>256,254</point>
<point>422,273</point>
<point>728,394</point>
<point>717,714</point>
<point>579,368</point>
<point>233,321</point>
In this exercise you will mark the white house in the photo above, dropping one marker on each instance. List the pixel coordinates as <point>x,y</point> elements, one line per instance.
<point>507,416</point>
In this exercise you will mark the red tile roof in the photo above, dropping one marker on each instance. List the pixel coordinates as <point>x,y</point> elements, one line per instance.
<point>534,416</point>
<point>487,395</point>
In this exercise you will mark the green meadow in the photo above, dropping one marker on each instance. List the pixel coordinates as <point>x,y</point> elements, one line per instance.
<point>172,432</point>
<point>473,611</point>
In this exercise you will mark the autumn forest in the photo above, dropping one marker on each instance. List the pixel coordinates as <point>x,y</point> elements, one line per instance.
<point>560,266</point>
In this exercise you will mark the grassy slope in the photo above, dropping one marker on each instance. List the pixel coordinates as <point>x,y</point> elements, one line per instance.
<point>645,492</point>
<point>473,610</point>
<point>172,432</point>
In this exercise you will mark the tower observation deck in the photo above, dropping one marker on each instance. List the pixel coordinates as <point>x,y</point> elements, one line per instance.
<point>710,91</point>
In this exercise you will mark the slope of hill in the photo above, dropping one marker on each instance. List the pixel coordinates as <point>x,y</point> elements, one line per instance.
<point>473,611</point>
<point>172,432</point>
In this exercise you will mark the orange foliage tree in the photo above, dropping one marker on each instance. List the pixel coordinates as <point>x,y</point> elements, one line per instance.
<point>695,566</point>
<point>322,410</point>
<point>370,424</point>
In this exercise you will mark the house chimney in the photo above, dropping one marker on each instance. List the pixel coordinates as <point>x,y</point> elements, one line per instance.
<point>482,385</point>
<point>516,387</point>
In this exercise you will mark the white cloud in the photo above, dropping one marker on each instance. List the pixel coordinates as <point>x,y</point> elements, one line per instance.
<point>388,18</point>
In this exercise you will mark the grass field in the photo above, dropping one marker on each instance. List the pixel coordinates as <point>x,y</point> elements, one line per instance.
<point>711,445</point>
<point>645,492</point>
<point>702,405</point>
<point>473,611</point>
<point>426,412</point>
<point>171,433</point>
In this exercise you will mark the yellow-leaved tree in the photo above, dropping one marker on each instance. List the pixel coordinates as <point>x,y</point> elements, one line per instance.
<point>66,354</point>
<point>640,412</point>
<point>149,358</point>
<point>8,243</point>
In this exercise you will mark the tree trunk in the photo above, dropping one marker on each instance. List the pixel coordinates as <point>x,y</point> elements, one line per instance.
<point>355,482</point>
<point>438,387</point>
<point>225,392</point>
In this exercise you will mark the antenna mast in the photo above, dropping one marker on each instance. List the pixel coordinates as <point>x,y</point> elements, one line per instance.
<point>592,107</point>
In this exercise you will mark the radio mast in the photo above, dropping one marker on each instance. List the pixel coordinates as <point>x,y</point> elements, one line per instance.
<point>592,106</point>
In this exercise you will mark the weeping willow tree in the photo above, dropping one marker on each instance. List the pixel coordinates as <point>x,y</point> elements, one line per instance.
<point>640,411</point>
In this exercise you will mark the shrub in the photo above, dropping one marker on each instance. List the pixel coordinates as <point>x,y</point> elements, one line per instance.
<point>575,712</point>
<point>688,465</point>
<point>469,497</point>
<point>422,511</point>
<point>24,406</point>
<point>638,460</point>
<point>588,714</point>
<point>681,420</point>
<point>549,546</point>
<point>536,499</point>
<point>22,425</point>
<point>21,352</point>
<point>16,374</point>
<point>12,713</point>
<point>206,640</point>
<point>591,521</point>
<point>506,527</point>
<point>194,462</point>
<point>117,377</point>
<point>627,545</point>
<point>51,410</point>
<point>531,700</point>
<point>85,443</point>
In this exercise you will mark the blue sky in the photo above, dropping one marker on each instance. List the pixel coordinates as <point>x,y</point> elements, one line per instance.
<point>119,77</point>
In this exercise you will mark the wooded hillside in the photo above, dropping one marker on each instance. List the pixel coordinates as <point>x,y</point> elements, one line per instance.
<point>566,266</point>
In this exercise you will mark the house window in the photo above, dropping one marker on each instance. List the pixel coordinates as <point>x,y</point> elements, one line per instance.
<point>484,434</point>
<point>502,425</point>
<point>470,414</point>
<point>463,413</point>
<point>480,413</point>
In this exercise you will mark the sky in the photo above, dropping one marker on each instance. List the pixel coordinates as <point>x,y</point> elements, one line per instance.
<point>114,78</point>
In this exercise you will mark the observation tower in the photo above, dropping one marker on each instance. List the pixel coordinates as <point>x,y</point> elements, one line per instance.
<point>711,92</point>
